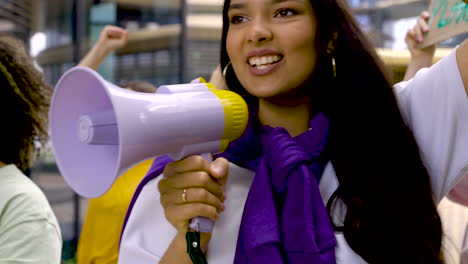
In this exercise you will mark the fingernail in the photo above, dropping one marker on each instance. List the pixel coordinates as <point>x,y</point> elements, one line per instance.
<point>420,39</point>
<point>224,196</point>
<point>222,207</point>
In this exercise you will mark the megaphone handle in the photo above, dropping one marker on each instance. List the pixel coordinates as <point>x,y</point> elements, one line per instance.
<point>202,224</point>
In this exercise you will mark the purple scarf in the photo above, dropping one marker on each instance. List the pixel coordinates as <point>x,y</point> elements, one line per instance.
<point>284,219</point>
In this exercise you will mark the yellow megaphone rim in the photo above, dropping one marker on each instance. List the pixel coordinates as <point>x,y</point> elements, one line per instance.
<point>236,115</point>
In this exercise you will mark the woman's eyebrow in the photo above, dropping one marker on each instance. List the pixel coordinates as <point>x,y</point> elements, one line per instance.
<point>281,1</point>
<point>244,5</point>
<point>237,6</point>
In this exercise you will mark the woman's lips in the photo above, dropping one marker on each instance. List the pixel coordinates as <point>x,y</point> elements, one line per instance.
<point>264,69</point>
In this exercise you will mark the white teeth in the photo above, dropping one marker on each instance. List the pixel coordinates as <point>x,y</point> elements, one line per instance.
<point>262,61</point>
<point>261,67</point>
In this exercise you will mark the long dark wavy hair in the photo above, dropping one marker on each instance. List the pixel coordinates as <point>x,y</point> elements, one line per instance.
<point>24,103</point>
<point>391,216</point>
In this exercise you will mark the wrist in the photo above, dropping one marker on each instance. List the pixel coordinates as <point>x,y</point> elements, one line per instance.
<point>102,49</point>
<point>204,240</point>
<point>421,60</point>
<point>177,251</point>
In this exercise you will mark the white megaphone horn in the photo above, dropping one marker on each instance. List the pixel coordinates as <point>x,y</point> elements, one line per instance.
<point>99,130</point>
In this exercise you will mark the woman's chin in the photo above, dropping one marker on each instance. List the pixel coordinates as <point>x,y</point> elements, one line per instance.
<point>262,89</point>
<point>263,94</point>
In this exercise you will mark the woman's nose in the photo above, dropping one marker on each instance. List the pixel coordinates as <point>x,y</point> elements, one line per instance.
<point>259,32</point>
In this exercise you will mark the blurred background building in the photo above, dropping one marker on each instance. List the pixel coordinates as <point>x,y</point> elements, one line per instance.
<point>15,17</point>
<point>170,41</point>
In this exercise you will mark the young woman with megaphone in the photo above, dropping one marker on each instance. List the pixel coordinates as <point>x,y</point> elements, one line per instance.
<point>335,166</point>
<point>382,200</point>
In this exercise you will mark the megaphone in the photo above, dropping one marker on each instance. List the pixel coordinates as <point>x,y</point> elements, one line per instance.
<point>99,130</point>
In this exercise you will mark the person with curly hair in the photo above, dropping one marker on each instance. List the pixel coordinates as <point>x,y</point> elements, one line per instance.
<point>29,231</point>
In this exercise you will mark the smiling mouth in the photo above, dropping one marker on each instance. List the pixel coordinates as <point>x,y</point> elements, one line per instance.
<point>264,62</point>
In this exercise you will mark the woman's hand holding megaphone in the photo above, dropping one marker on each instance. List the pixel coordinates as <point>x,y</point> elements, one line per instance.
<point>193,187</point>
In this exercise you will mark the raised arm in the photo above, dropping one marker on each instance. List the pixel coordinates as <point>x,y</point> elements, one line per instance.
<point>420,57</point>
<point>435,106</point>
<point>110,39</point>
<point>462,62</point>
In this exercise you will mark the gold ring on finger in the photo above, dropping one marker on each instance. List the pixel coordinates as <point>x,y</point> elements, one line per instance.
<point>184,196</point>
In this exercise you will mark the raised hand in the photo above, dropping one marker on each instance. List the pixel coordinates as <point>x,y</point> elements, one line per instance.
<point>420,57</point>
<point>112,38</point>
<point>415,36</point>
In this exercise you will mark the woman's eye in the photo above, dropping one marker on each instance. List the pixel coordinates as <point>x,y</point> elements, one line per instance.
<point>237,19</point>
<point>285,12</point>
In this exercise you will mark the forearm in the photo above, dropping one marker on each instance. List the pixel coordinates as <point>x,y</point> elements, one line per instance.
<point>462,62</point>
<point>95,57</point>
<point>177,252</point>
<point>415,65</point>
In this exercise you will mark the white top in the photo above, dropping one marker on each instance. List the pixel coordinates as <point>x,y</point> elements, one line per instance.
<point>29,231</point>
<point>435,106</point>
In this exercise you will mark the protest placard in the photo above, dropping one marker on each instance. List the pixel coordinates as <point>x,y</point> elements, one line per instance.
<point>448,18</point>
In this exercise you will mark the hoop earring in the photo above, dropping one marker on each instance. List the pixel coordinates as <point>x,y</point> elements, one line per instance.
<point>334,65</point>
<point>225,69</point>
<point>330,52</point>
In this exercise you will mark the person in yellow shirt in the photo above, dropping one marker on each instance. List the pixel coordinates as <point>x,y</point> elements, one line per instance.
<point>100,235</point>
<point>99,239</point>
